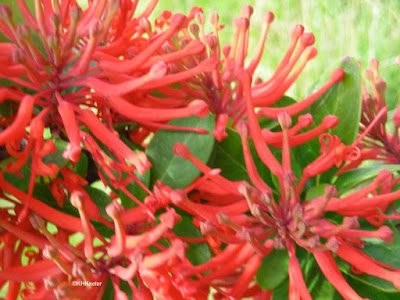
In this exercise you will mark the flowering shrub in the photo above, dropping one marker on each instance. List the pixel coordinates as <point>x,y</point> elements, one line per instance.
<point>144,160</point>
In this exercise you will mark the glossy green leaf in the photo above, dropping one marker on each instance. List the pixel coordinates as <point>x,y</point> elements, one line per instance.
<point>81,167</point>
<point>342,100</point>
<point>229,158</point>
<point>6,109</point>
<point>316,191</point>
<point>21,183</point>
<point>171,169</point>
<point>274,269</point>
<point>282,291</point>
<point>355,177</point>
<point>369,292</point>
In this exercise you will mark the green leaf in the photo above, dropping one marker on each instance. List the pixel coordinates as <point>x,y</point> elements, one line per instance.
<point>198,253</point>
<point>81,167</point>
<point>171,169</point>
<point>342,100</point>
<point>6,109</point>
<point>355,177</point>
<point>273,270</point>
<point>316,191</point>
<point>370,292</point>
<point>229,158</point>
<point>21,183</point>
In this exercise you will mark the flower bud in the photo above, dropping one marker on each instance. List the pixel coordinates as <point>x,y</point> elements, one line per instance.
<point>6,13</point>
<point>214,18</point>
<point>195,30</point>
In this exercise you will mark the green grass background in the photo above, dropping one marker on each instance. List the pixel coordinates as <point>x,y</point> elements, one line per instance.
<point>362,29</point>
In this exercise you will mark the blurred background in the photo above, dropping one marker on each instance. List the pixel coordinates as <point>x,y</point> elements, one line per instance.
<point>363,29</point>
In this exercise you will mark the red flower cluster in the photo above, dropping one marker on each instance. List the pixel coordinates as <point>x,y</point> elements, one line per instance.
<point>103,77</point>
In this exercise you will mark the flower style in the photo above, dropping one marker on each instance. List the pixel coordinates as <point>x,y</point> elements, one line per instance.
<point>222,88</point>
<point>58,265</point>
<point>285,220</point>
<point>378,144</point>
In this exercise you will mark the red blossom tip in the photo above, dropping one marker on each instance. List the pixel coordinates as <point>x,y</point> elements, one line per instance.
<point>269,17</point>
<point>212,41</point>
<point>383,177</point>
<point>311,52</point>
<point>75,14</point>
<point>49,252</point>
<point>214,18</point>
<point>284,120</point>
<point>55,20</point>
<point>223,218</point>
<point>226,49</point>
<point>337,75</point>
<point>351,222</point>
<point>23,31</point>
<point>207,227</point>
<point>398,60</point>
<point>170,218</point>
<point>73,152</point>
<point>96,28</point>
<point>18,56</point>
<point>178,196</point>
<point>158,70</point>
<point>242,23</point>
<point>37,222</point>
<point>145,25</point>
<point>305,120</point>
<point>296,31</point>
<point>181,150</point>
<point>199,17</point>
<point>385,234</point>
<point>330,121</point>
<point>199,107</point>
<point>247,11</point>
<point>307,39</point>
<point>195,30</point>
<point>114,210</point>
<point>330,191</point>
<point>333,244</point>
<point>242,129</point>
<point>77,199</point>
<point>5,12</point>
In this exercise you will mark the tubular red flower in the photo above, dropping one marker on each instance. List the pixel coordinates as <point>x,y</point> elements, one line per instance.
<point>328,266</point>
<point>17,129</point>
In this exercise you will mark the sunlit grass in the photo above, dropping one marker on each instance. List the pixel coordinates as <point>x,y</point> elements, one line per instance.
<point>362,29</point>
